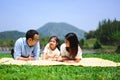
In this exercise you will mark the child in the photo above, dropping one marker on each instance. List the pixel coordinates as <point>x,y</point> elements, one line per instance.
<point>70,50</point>
<point>51,50</point>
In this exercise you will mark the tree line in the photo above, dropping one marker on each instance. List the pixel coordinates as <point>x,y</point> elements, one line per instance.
<point>107,33</point>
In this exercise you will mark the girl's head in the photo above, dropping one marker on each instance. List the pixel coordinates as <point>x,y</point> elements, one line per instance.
<point>54,42</point>
<point>72,43</point>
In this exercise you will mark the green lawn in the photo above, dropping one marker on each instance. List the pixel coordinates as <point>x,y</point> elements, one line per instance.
<point>58,73</point>
<point>61,72</point>
<point>5,55</point>
<point>113,57</point>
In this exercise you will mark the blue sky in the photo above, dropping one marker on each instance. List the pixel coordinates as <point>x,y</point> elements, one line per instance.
<point>23,15</point>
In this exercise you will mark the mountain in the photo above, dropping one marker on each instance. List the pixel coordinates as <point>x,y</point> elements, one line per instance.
<point>49,29</point>
<point>60,30</point>
<point>11,35</point>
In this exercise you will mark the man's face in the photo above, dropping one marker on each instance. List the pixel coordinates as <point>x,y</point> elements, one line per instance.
<point>32,42</point>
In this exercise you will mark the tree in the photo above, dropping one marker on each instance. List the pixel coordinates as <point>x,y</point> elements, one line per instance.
<point>116,37</point>
<point>90,34</point>
<point>43,41</point>
<point>97,45</point>
<point>106,30</point>
<point>81,43</point>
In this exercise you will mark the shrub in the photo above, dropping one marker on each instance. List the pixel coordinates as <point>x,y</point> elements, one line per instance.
<point>97,45</point>
<point>118,49</point>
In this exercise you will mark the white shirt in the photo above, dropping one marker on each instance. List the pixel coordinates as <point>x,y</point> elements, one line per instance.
<point>64,52</point>
<point>52,53</point>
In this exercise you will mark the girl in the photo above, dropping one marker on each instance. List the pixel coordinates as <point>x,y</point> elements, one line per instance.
<point>70,50</point>
<point>51,50</point>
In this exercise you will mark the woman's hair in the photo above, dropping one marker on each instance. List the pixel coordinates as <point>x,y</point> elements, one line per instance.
<point>73,40</point>
<point>57,40</point>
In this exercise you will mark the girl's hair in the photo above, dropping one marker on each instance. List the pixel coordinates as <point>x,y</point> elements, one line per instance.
<point>73,40</point>
<point>57,40</point>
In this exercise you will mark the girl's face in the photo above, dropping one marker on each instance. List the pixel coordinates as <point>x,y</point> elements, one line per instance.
<point>53,43</point>
<point>67,43</point>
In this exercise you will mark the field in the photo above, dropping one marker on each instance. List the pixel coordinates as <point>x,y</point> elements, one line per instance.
<point>61,72</point>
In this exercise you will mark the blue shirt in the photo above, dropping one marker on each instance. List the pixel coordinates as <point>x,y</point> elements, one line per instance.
<point>21,48</point>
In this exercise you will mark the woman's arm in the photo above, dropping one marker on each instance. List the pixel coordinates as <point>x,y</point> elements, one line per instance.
<point>77,60</point>
<point>66,59</point>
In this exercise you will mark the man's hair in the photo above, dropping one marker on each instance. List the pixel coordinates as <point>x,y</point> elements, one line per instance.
<point>31,33</point>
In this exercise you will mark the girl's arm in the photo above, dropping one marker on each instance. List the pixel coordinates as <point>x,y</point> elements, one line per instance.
<point>44,56</point>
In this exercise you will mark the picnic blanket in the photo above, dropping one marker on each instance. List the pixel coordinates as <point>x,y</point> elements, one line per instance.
<point>40,62</point>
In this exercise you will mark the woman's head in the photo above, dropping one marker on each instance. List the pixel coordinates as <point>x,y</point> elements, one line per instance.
<point>72,43</point>
<point>71,40</point>
<point>54,42</point>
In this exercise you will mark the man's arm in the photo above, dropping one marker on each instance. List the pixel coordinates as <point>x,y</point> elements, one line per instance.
<point>26,59</point>
<point>36,51</point>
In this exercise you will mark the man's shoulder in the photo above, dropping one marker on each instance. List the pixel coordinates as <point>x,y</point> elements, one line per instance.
<point>22,39</point>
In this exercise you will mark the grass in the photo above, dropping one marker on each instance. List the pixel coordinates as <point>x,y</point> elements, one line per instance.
<point>12,72</point>
<point>113,57</point>
<point>61,72</point>
<point>89,43</point>
<point>2,55</point>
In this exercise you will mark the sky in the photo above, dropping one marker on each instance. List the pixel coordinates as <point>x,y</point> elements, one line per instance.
<point>22,15</point>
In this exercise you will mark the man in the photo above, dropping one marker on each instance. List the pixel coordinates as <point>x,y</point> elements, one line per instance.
<point>27,48</point>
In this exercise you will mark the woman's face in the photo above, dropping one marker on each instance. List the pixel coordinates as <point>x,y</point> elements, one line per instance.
<point>67,43</point>
<point>53,43</point>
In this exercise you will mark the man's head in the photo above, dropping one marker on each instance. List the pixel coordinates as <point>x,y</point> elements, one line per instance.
<point>32,37</point>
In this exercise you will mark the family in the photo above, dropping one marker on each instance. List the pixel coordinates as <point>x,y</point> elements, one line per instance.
<point>28,48</point>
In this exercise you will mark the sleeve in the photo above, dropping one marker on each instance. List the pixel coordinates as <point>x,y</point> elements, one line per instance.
<point>79,54</point>
<point>62,50</point>
<point>46,48</point>
<point>57,53</point>
<point>17,49</point>
<point>36,51</point>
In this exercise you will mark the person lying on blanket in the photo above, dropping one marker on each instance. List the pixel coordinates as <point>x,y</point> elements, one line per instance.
<point>51,50</point>
<point>70,50</point>
<point>27,48</point>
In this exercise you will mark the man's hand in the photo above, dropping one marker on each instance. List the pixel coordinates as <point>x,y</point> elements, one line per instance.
<point>30,58</point>
<point>26,59</point>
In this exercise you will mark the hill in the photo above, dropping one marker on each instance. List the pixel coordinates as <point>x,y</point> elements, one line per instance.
<point>60,30</point>
<point>11,35</point>
<point>49,29</point>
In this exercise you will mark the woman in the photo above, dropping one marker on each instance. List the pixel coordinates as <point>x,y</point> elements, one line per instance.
<point>70,50</point>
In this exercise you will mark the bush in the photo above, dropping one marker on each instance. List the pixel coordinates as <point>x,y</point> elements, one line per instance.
<point>81,43</point>
<point>97,45</point>
<point>86,46</point>
<point>118,49</point>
